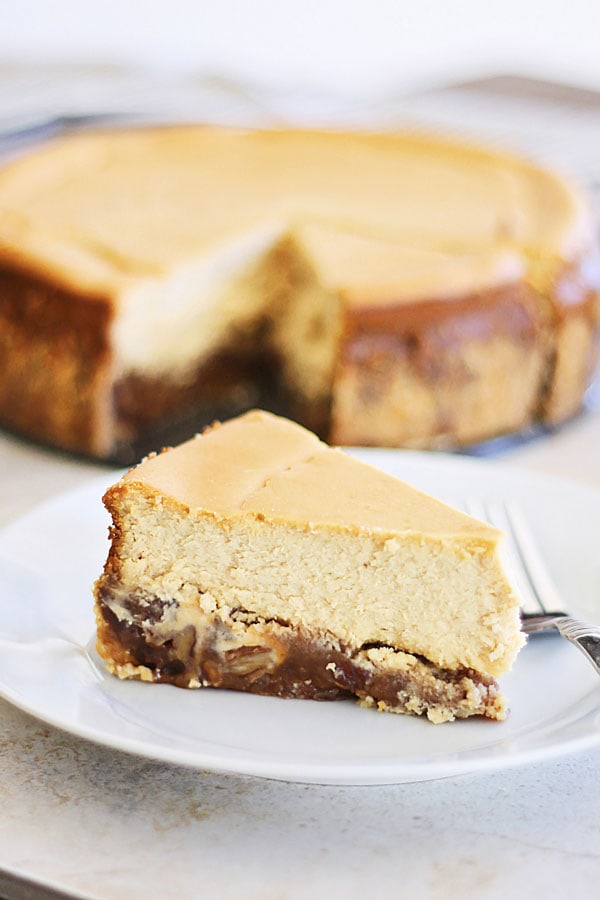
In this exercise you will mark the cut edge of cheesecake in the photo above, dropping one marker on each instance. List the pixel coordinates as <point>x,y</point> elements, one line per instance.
<point>255,557</point>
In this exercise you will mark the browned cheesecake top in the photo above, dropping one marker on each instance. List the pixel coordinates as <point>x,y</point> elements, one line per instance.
<point>266,466</point>
<point>386,217</point>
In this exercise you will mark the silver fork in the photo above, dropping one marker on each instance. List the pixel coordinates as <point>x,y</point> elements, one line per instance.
<point>541,606</point>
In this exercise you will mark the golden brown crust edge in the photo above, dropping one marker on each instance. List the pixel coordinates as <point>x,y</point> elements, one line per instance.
<point>55,364</point>
<point>434,374</point>
<point>447,374</point>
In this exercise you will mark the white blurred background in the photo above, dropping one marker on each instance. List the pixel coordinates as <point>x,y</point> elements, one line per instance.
<point>371,63</point>
<point>356,48</point>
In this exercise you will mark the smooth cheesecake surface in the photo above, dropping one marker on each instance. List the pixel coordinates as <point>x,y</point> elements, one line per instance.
<point>262,465</point>
<point>107,209</point>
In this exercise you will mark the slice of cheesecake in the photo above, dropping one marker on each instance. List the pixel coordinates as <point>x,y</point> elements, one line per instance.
<point>255,557</point>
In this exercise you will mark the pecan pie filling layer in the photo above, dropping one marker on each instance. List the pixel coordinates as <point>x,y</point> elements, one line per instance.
<point>149,638</point>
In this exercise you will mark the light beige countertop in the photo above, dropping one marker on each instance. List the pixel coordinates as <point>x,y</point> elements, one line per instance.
<point>99,823</point>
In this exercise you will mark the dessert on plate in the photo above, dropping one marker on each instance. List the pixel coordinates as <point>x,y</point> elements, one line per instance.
<point>383,289</point>
<point>255,557</point>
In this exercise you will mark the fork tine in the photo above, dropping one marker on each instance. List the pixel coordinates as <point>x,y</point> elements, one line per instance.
<point>518,571</point>
<point>527,570</point>
<point>533,563</point>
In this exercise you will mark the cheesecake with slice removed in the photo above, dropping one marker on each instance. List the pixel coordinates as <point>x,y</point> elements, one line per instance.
<point>392,289</point>
<point>255,557</point>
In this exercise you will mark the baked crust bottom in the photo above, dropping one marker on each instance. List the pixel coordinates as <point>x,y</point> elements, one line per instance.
<point>139,637</point>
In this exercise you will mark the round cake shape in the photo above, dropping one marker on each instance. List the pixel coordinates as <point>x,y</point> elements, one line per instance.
<point>397,289</point>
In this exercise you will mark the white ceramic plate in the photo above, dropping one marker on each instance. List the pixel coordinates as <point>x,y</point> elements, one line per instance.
<point>48,667</point>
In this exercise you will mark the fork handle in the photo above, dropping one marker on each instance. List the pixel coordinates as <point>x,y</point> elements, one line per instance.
<point>584,635</point>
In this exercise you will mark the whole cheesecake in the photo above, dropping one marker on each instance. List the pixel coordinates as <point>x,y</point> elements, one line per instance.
<point>391,289</point>
<point>254,557</point>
